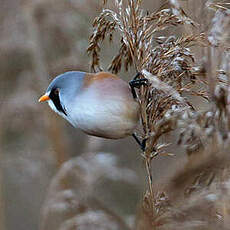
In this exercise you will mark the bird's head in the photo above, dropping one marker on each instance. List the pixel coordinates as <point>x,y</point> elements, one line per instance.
<point>62,90</point>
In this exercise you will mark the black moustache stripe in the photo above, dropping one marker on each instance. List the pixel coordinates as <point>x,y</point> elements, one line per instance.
<point>56,100</point>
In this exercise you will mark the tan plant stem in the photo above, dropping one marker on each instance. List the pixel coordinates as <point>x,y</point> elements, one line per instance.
<point>146,154</point>
<point>150,182</point>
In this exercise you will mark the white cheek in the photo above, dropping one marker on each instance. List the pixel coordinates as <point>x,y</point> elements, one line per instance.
<point>52,106</point>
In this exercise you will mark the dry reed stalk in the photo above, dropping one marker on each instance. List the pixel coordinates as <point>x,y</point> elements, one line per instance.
<point>172,73</point>
<point>73,202</point>
<point>199,193</point>
<point>168,66</point>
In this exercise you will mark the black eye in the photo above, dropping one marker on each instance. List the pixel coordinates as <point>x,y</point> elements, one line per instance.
<point>56,91</point>
<point>54,96</point>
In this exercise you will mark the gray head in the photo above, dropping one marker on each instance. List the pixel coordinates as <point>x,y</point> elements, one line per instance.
<point>63,88</point>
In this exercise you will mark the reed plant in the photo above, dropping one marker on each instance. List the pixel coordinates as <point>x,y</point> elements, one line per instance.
<point>182,60</point>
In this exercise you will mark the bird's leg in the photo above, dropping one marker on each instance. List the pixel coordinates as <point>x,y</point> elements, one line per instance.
<point>141,143</point>
<point>136,83</point>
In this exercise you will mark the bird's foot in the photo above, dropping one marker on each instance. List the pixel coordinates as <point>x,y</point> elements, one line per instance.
<point>137,76</point>
<point>137,83</point>
<point>142,143</point>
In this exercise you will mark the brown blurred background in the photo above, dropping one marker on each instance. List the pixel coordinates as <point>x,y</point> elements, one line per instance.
<point>40,39</point>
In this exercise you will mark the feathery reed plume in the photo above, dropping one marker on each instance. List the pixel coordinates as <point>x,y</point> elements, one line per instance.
<point>74,203</point>
<point>167,63</point>
<point>170,66</point>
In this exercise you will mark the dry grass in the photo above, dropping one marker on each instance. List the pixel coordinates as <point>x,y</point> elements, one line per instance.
<point>175,76</point>
<point>72,202</point>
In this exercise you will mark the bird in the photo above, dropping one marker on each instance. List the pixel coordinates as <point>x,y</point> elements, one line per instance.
<point>100,104</point>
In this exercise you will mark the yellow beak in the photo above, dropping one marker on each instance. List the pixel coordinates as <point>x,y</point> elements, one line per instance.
<point>44,98</point>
